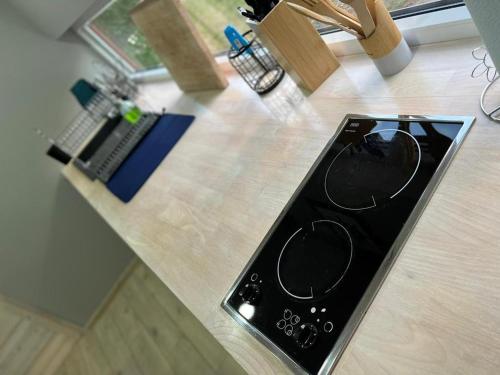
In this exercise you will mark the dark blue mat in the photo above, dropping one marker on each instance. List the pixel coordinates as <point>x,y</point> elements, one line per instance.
<point>150,152</point>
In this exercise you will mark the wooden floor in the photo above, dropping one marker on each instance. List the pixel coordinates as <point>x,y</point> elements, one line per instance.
<point>31,343</point>
<point>143,330</point>
<point>146,330</point>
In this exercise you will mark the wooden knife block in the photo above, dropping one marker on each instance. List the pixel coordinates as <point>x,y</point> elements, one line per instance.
<point>171,33</point>
<point>298,47</point>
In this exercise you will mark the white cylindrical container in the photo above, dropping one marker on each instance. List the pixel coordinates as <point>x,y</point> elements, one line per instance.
<point>386,46</point>
<point>396,60</point>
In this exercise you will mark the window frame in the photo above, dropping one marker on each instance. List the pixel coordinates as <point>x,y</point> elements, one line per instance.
<point>433,14</point>
<point>85,31</point>
<point>416,10</point>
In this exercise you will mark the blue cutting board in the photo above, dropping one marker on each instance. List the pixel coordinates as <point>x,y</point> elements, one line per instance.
<point>148,154</point>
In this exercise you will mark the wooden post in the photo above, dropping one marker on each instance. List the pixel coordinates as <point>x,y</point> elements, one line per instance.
<point>299,48</point>
<point>173,36</point>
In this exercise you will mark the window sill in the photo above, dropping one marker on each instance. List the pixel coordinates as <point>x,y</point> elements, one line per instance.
<point>445,25</point>
<point>434,27</point>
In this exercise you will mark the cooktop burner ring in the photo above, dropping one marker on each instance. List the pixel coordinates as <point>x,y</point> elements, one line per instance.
<point>337,281</point>
<point>393,195</point>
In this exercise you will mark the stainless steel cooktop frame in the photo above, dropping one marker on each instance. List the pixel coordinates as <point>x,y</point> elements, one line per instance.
<point>385,267</point>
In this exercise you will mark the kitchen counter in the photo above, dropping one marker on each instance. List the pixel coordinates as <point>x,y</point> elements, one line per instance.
<point>203,213</point>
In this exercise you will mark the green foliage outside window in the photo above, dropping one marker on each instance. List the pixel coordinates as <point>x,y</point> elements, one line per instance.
<point>115,27</point>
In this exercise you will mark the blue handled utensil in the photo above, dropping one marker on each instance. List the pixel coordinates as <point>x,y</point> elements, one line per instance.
<point>237,40</point>
<point>241,44</point>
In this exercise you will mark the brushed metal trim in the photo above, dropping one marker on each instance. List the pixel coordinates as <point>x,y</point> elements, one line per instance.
<point>387,263</point>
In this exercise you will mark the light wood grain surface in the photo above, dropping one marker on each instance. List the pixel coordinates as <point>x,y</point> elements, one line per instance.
<point>200,217</point>
<point>31,343</point>
<point>144,329</point>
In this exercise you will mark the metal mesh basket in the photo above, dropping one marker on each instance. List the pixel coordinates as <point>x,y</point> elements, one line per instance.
<point>256,65</point>
<point>87,120</point>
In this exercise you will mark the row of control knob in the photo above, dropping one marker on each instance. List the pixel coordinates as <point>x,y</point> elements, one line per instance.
<point>288,322</point>
<point>304,335</point>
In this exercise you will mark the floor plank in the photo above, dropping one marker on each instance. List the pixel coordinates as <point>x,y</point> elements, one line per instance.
<point>145,330</point>
<point>53,353</point>
<point>205,343</point>
<point>144,349</point>
<point>23,346</point>
<point>115,347</point>
<point>87,358</point>
<point>9,319</point>
<point>162,329</point>
<point>31,342</point>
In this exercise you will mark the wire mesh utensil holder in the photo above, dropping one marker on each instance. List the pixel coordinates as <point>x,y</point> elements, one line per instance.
<point>256,65</point>
<point>487,68</point>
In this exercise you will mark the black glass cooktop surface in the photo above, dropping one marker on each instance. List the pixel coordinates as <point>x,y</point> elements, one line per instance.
<point>315,273</point>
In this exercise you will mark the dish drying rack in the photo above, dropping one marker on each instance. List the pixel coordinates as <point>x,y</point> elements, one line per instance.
<point>65,145</point>
<point>108,88</point>
<point>80,128</point>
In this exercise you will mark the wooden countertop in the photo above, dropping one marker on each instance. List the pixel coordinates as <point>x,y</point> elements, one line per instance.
<point>203,213</point>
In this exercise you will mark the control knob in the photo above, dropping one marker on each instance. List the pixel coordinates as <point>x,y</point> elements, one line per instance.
<point>305,335</point>
<point>250,294</point>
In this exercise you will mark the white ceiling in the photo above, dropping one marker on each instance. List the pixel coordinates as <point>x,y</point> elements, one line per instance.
<point>53,17</point>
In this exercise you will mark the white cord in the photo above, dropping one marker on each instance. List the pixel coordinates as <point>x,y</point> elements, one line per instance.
<point>490,114</point>
<point>487,68</point>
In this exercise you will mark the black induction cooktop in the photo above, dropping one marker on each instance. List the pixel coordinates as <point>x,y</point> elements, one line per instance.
<point>314,275</point>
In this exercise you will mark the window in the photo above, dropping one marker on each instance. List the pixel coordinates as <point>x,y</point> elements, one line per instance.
<point>114,31</point>
<point>114,28</point>
<point>405,8</point>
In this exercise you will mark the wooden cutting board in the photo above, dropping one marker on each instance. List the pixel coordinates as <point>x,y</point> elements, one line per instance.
<point>171,33</point>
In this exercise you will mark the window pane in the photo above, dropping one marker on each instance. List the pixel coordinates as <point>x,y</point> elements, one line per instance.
<point>399,4</point>
<point>212,16</point>
<point>116,29</point>
<point>402,4</point>
<point>401,8</point>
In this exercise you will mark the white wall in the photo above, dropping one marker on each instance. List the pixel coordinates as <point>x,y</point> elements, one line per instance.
<point>52,17</point>
<point>486,15</point>
<point>56,254</point>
